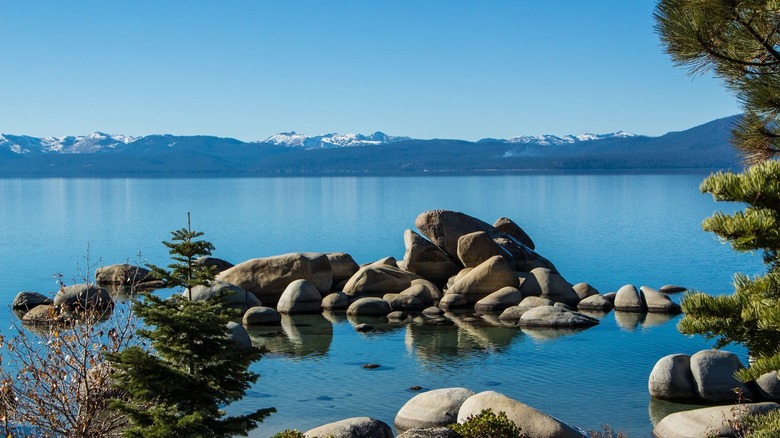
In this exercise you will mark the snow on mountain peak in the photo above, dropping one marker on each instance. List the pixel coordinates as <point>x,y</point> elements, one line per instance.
<point>332,140</point>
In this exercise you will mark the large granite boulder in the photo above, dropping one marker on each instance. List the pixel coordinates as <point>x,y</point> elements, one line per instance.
<point>545,283</point>
<point>716,421</point>
<point>423,290</point>
<point>555,317</point>
<point>438,407</point>
<point>403,302</point>
<point>238,334</point>
<point>260,315</point>
<point>499,300</point>
<point>659,303</point>
<point>629,299</point>
<point>490,276</point>
<point>595,302</point>
<point>369,306</point>
<point>335,301</point>
<point>235,296</point>
<point>508,226</point>
<point>444,228</point>
<point>474,248</point>
<point>122,274</point>
<point>83,297</point>
<point>342,265</point>
<point>268,277</point>
<point>377,280</point>
<point>531,421</point>
<point>300,296</point>
<point>218,265</point>
<point>584,290</point>
<point>671,379</point>
<point>27,300</point>
<point>427,260</point>
<point>431,432</point>
<point>713,371</point>
<point>768,386</point>
<point>358,427</point>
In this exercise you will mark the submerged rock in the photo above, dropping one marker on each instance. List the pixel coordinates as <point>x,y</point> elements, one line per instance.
<point>554,317</point>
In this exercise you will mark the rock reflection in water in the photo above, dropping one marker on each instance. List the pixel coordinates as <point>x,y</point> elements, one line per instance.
<point>300,336</point>
<point>658,409</point>
<point>656,319</point>
<point>629,321</point>
<point>468,335</point>
<point>549,334</point>
<point>380,324</point>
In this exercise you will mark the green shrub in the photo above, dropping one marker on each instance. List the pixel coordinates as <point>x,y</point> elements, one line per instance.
<point>289,434</point>
<point>486,424</point>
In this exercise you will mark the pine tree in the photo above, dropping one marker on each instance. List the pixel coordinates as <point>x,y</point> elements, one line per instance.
<point>179,386</point>
<point>738,40</point>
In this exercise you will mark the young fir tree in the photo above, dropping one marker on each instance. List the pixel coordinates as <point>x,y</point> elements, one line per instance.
<point>179,386</point>
<point>740,43</point>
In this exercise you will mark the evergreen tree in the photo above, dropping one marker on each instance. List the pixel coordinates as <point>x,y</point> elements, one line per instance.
<point>179,386</point>
<point>739,41</point>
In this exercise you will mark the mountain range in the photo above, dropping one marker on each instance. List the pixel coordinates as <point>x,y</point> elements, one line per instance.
<point>704,147</point>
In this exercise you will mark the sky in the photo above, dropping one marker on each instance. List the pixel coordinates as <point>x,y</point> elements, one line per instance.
<point>248,69</point>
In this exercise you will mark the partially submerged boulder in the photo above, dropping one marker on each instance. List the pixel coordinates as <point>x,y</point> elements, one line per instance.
<point>300,296</point>
<point>532,422</point>
<point>716,421</point>
<point>261,316</point>
<point>122,274</point>
<point>268,277</point>
<point>499,300</point>
<point>657,302</point>
<point>358,427</point>
<point>369,306</point>
<point>595,302</point>
<point>629,299</point>
<point>671,379</point>
<point>438,407</point>
<point>713,371</point>
<point>82,297</point>
<point>335,301</point>
<point>545,283</point>
<point>26,301</point>
<point>555,317</point>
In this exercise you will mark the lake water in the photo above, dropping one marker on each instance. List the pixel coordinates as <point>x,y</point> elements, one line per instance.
<point>604,229</point>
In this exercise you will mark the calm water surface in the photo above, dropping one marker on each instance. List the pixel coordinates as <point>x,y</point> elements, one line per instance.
<point>608,230</point>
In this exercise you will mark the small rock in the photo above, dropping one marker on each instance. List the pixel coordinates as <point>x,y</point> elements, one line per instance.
<point>398,315</point>
<point>415,388</point>
<point>335,301</point>
<point>364,328</point>
<point>27,300</point>
<point>452,301</point>
<point>584,290</point>
<point>595,302</point>
<point>671,289</point>
<point>369,306</point>
<point>550,316</point>
<point>433,311</point>
<point>499,300</point>
<point>370,366</point>
<point>260,315</point>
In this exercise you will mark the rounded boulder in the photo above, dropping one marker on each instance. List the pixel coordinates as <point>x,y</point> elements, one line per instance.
<point>438,407</point>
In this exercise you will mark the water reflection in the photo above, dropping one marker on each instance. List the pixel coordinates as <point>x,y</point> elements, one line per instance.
<point>300,336</point>
<point>466,335</point>
<point>655,319</point>
<point>629,321</point>
<point>380,324</point>
<point>658,409</point>
<point>549,334</point>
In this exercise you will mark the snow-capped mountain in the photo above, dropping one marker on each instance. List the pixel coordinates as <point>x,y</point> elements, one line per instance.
<point>85,144</point>
<point>553,140</point>
<point>293,139</point>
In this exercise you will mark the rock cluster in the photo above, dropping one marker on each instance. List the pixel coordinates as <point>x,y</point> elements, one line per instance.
<point>707,377</point>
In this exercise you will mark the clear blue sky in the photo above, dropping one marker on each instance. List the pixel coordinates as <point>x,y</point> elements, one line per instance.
<point>249,69</point>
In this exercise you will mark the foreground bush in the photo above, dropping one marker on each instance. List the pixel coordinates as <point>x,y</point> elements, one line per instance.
<point>486,424</point>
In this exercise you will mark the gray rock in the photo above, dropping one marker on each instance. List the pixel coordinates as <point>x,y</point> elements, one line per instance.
<point>565,306</point>
<point>388,261</point>
<point>513,314</point>
<point>671,379</point>
<point>433,432</point>
<point>507,226</point>
<point>532,422</point>
<point>27,300</point>
<point>342,265</point>
<point>474,248</point>
<point>122,274</point>
<point>260,315</point>
<point>236,297</point>
<point>671,289</point>
<point>438,407</point>
<point>375,281</point>
<point>358,427</point>
<point>427,293</point>
<point>595,302</point>
<point>364,328</point>
<point>335,301</point>
<point>768,386</point>
<point>397,315</point>
<point>659,303</point>
<point>268,277</point>
<point>708,422</point>
<point>490,276</point>
<point>610,296</point>
<point>404,302</point>
<point>369,306</point>
<point>453,301</point>
<point>83,297</point>
<point>427,260</point>
<point>499,300</point>
<point>300,296</point>
<point>536,302</point>
<point>713,371</point>
<point>433,311</point>
<point>628,299</point>
<point>238,334</point>
<point>454,279</point>
<point>584,290</point>
<point>545,283</point>
<point>42,314</point>
<point>555,317</point>
<point>219,265</point>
